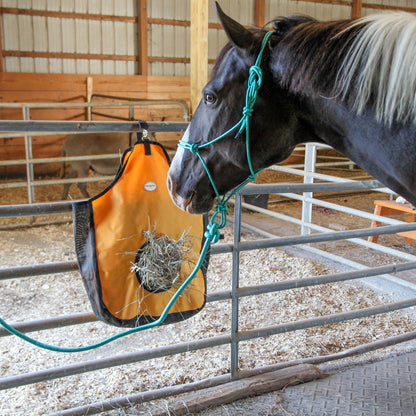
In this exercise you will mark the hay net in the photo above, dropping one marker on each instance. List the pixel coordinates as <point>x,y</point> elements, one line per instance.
<point>135,247</point>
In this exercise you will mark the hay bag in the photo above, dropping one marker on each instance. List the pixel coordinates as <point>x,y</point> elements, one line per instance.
<point>135,247</point>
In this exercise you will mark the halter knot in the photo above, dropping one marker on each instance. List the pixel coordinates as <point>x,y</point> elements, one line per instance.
<point>247,111</point>
<point>222,208</point>
<point>252,177</point>
<point>213,233</point>
<point>194,148</point>
<point>255,77</point>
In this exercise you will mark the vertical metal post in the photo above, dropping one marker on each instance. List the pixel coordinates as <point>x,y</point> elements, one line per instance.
<point>310,159</point>
<point>234,287</point>
<point>29,157</point>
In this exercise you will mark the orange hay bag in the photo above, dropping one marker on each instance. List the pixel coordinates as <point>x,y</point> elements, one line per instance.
<point>108,232</point>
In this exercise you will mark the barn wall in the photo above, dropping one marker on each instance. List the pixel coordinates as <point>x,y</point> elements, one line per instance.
<point>315,9</point>
<point>102,36</point>
<point>48,46</point>
<point>57,34</point>
<point>65,88</point>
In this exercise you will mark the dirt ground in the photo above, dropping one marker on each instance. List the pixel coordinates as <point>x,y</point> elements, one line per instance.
<point>45,296</point>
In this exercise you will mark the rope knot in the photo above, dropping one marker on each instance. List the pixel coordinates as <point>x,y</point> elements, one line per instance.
<point>255,76</point>
<point>194,148</point>
<point>247,111</point>
<point>213,233</point>
<point>221,208</point>
<point>252,177</point>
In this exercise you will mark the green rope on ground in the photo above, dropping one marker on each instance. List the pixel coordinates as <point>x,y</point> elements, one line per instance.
<point>212,234</point>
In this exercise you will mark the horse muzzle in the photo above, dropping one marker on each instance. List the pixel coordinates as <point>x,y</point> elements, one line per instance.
<point>184,204</point>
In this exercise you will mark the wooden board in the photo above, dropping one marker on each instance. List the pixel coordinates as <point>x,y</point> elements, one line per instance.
<point>69,88</point>
<point>240,389</point>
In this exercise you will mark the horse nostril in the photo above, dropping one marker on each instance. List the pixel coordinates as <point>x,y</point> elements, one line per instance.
<point>170,184</point>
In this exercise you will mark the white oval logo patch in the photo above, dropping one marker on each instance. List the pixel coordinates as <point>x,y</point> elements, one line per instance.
<point>150,186</point>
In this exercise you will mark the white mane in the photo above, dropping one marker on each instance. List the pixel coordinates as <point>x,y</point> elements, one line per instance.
<point>381,66</point>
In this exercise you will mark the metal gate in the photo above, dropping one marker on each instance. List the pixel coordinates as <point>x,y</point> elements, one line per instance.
<point>235,293</point>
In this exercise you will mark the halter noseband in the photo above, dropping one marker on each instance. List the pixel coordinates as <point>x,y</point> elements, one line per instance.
<point>254,83</point>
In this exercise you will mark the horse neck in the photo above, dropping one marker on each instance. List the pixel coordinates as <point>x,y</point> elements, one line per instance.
<point>386,152</point>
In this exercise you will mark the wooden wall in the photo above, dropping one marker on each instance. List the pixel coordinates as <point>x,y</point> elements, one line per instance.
<point>46,47</point>
<point>66,88</point>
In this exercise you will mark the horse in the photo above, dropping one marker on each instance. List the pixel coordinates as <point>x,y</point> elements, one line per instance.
<point>350,84</point>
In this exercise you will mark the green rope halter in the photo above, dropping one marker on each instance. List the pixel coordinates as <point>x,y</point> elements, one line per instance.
<point>212,234</point>
<point>254,83</point>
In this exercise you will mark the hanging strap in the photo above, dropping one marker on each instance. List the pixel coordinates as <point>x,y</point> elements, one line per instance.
<point>142,137</point>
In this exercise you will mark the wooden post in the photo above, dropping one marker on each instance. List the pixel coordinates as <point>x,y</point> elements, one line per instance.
<point>199,50</point>
<point>142,41</point>
<point>356,9</point>
<point>90,88</point>
<point>260,13</point>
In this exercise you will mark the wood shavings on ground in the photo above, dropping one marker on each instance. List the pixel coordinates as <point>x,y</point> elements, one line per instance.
<point>46,296</point>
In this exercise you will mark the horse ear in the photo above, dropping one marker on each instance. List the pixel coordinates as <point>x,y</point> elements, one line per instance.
<point>236,32</point>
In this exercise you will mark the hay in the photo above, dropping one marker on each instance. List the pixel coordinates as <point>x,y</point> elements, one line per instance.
<point>159,261</point>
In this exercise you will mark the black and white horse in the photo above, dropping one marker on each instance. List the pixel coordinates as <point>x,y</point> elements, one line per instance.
<point>350,84</point>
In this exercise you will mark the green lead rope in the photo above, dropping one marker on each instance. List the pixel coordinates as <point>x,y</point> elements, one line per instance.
<point>212,234</point>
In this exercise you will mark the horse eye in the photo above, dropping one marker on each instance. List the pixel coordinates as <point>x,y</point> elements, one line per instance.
<point>210,98</point>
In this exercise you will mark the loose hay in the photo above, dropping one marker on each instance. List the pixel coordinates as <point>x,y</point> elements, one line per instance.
<point>44,296</point>
<point>159,261</point>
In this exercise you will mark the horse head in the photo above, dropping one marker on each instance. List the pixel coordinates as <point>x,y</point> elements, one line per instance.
<point>221,107</point>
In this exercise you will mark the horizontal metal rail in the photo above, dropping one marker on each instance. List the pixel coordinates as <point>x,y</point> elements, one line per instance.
<point>30,210</point>
<point>235,293</point>
<point>122,359</point>
<point>126,102</point>
<point>23,126</point>
<point>48,268</point>
<point>93,365</point>
<point>18,272</point>
<point>135,102</point>
<point>321,176</point>
<point>161,393</point>
<point>324,320</point>
<point>47,182</point>
<point>59,159</point>
<point>13,210</point>
<point>378,247</point>
<point>81,318</point>
<point>50,323</point>
<point>328,236</point>
<point>283,188</point>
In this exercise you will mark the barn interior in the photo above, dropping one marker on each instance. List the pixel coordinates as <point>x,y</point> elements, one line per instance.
<point>148,60</point>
